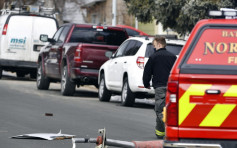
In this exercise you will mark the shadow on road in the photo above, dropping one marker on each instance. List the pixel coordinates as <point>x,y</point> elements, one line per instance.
<point>12,77</point>
<point>87,92</point>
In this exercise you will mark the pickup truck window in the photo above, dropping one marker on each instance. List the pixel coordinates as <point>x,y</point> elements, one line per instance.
<point>63,35</point>
<point>91,35</point>
<point>56,35</point>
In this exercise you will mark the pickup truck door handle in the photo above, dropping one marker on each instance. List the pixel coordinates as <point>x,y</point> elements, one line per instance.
<point>125,62</point>
<point>212,91</point>
<point>115,62</point>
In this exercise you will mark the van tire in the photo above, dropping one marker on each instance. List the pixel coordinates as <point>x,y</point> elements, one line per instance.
<point>127,96</point>
<point>33,75</point>
<point>20,74</point>
<point>104,94</point>
<point>67,86</point>
<point>42,81</point>
<point>0,73</point>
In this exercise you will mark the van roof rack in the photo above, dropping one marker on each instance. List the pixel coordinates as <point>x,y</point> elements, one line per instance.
<point>29,9</point>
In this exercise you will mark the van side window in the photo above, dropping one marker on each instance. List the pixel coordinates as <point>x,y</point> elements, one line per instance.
<point>56,35</point>
<point>63,35</point>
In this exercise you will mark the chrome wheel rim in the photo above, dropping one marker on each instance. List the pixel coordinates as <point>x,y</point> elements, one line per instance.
<point>63,79</point>
<point>101,87</point>
<point>39,75</point>
<point>124,92</point>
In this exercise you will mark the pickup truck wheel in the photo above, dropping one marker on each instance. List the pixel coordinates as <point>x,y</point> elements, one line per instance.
<point>41,80</point>
<point>67,86</point>
<point>127,96</point>
<point>104,93</point>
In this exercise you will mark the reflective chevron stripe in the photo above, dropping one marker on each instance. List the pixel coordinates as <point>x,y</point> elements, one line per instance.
<point>185,107</point>
<point>160,133</point>
<point>215,116</point>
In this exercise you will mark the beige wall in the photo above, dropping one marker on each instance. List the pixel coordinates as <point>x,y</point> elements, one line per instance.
<point>102,12</point>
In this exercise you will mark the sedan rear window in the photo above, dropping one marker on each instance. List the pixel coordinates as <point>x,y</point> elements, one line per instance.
<point>173,48</point>
<point>94,36</point>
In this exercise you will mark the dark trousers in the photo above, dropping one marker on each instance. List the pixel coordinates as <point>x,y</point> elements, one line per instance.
<point>160,93</point>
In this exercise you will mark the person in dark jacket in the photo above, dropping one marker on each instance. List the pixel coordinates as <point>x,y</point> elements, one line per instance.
<point>158,69</point>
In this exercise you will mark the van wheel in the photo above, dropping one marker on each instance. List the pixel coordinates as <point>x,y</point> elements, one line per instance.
<point>42,81</point>
<point>127,96</point>
<point>20,74</point>
<point>0,72</point>
<point>104,93</point>
<point>33,75</point>
<point>67,86</point>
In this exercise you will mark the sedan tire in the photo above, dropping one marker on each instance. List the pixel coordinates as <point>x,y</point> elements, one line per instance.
<point>104,93</point>
<point>127,96</point>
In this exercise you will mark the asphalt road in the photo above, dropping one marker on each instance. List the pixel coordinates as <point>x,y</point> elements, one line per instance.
<point>23,108</point>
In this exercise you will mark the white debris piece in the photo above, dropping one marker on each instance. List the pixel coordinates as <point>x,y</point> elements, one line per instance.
<point>45,136</point>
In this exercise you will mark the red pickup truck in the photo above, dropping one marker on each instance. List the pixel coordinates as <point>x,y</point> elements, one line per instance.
<point>75,54</point>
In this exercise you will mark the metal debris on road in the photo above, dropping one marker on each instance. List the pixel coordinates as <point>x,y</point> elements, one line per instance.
<point>45,136</point>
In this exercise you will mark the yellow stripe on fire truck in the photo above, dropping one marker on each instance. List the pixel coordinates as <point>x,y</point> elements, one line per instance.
<point>217,114</point>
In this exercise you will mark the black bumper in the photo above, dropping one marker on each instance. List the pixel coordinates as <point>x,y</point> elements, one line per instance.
<point>12,65</point>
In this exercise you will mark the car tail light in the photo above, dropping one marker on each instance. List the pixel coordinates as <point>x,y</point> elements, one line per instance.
<point>172,106</point>
<point>77,57</point>
<point>140,62</point>
<point>4,32</point>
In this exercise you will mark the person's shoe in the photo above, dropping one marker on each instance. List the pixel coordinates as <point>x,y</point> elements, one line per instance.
<point>160,137</point>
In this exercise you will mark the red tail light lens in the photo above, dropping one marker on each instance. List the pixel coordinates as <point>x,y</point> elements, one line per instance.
<point>77,57</point>
<point>4,31</point>
<point>172,106</point>
<point>173,87</point>
<point>140,62</point>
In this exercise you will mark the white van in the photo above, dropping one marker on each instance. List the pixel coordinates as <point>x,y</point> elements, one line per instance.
<point>19,41</point>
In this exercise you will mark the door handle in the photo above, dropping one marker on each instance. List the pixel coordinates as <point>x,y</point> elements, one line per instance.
<point>115,62</point>
<point>212,91</point>
<point>125,62</point>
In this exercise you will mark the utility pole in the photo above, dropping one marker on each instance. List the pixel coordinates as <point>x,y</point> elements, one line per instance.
<point>114,12</point>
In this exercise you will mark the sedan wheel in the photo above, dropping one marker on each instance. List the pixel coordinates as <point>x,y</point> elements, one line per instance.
<point>127,96</point>
<point>104,93</point>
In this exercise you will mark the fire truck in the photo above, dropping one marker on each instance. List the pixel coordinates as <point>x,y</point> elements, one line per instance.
<point>202,88</point>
